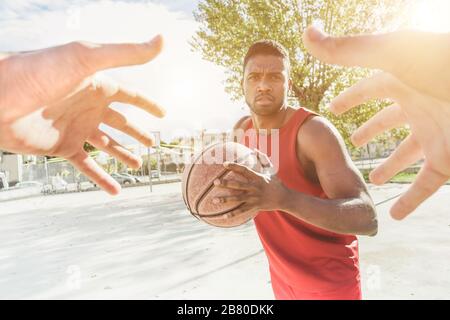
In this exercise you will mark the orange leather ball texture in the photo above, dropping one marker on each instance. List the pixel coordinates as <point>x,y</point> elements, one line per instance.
<point>198,182</point>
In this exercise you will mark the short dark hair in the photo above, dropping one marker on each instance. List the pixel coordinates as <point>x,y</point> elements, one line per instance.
<point>267,47</point>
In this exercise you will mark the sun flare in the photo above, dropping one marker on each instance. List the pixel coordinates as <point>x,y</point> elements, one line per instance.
<point>431,15</point>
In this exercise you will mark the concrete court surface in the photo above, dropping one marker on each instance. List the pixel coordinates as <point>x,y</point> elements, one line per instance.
<point>142,245</point>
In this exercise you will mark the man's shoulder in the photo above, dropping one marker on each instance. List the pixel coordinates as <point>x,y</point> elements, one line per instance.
<point>317,127</point>
<point>242,123</point>
<point>318,135</point>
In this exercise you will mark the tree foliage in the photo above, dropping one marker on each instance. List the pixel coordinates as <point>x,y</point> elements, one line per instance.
<point>229,27</point>
<point>88,147</point>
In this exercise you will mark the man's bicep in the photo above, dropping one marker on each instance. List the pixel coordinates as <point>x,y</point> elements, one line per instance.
<point>337,174</point>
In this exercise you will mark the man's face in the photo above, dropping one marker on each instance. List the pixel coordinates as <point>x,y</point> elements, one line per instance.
<point>265,84</point>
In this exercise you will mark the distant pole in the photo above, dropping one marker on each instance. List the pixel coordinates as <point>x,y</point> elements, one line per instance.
<point>149,167</point>
<point>142,167</point>
<point>158,145</point>
<point>74,174</point>
<point>46,170</point>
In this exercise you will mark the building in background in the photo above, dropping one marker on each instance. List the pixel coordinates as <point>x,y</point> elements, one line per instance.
<point>11,165</point>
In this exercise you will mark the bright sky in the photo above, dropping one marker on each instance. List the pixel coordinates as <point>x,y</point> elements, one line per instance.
<point>431,15</point>
<point>190,88</point>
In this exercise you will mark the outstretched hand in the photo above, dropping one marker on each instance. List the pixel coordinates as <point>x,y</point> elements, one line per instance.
<point>52,102</point>
<point>416,76</point>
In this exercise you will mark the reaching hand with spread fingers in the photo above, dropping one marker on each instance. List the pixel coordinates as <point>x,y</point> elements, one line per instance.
<point>52,102</point>
<point>416,77</point>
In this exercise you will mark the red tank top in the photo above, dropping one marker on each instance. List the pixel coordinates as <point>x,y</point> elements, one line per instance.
<point>304,256</point>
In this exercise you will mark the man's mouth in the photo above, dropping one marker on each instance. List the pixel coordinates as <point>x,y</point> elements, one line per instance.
<point>268,98</point>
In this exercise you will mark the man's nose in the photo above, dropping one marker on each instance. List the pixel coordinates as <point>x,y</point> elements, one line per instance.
<point>263,86</point>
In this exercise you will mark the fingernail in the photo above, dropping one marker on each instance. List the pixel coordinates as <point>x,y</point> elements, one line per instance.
<point>315,34</point>
<point>156,39</point>
<point>355,139</point>
<point>226,164</point>
<point>397,213</point>
<point>114,189</point>
<point>162,112</point>
<point>150,139</point>
<point>334,109</point>
<point>155,45</point>
<point>139,162</point>
<point>376,177</point>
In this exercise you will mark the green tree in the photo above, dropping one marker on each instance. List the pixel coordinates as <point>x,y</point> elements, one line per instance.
<point>229,27</point>
<point>153,165</point>
<point>88,147</point>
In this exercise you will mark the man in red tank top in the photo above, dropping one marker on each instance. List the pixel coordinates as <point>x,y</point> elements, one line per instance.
<point>309,212</point>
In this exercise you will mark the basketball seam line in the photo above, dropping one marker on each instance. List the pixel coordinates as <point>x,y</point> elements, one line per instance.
<point>211,186</point>
<point>186,201</point>
<point>220,213</point>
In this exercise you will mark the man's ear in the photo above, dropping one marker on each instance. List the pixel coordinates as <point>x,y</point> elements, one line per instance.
<point>290,84</point>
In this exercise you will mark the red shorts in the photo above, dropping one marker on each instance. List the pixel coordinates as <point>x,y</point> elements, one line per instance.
<point>283,291</point>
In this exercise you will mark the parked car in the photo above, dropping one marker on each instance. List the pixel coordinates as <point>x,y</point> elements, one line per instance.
<point>139,179</point>
<point>155,174</point>
<point>29,184</point>
<point>123,179</point>
<point>136,179</point>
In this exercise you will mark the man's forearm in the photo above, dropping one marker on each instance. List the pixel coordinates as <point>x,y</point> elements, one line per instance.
<point>345,216</point>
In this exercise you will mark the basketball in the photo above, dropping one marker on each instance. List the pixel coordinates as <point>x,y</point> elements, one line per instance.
<point>198,182</point>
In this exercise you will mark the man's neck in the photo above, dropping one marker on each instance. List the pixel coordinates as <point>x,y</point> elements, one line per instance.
<point>273,121</point>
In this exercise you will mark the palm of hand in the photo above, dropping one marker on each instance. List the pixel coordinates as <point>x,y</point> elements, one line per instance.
<point>58,104</point>
<point>428,119</point>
